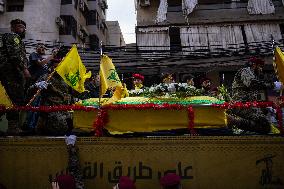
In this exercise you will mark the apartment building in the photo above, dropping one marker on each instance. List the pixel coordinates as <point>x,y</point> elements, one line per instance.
<point>212,37</point>
<point>66,21</point>
<point>115,37</point>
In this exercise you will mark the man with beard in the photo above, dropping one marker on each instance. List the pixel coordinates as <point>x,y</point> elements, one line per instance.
<point>13,70</point>
<point>245,87</point>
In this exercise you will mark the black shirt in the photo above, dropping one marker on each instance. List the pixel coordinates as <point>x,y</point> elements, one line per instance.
<point>35,69</point>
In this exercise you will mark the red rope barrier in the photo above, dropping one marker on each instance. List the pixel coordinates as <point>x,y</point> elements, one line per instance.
<point>102,118</point>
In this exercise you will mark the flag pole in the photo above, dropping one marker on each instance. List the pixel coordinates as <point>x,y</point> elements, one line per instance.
<point>39,90</point>
<point>100,88</point>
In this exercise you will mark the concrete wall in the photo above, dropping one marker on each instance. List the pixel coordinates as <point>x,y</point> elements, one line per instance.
<point>40,18</point>
<point>147,15</point>
<point>115,37</point>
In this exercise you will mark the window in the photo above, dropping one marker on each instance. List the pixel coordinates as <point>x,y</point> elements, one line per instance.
<point>66,2</point>
<point>282,30</point>
<point>175,6</point>
<point>174,3</point>
<point>94,42</point>
<point>70,26</point>
<point>92,17</point>
<point>175,41</point>
<point>15,5</point>
<point>213,1</point>
<point>76,4</point>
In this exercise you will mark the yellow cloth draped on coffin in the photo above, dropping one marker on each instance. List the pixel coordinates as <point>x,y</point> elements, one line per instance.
<point>123,121</point>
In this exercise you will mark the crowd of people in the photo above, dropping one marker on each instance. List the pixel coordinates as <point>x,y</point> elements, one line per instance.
<point>22,78</point>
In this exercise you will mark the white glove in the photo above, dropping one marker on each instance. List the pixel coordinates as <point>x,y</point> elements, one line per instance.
<point>45,67</point>
<point>70,140</point>
<point>277,85</point>
<point>42,85</point>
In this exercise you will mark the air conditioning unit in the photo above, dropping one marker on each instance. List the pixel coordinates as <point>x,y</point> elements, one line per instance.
<point>82,5</point>
<point>59,21</point>
<point>144,3</point>
<point>2,6</point>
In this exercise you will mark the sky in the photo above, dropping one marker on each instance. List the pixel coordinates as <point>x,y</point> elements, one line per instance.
<point>124,12</point>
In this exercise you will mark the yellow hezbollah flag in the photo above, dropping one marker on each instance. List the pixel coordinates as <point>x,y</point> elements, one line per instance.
<point>4,98</point>
<point>108,74</point>
<point>73,71</point>
<point>110,79</point>
<point>279,64</point>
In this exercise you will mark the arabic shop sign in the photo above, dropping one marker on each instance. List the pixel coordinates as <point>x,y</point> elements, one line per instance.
<point>140,171</point>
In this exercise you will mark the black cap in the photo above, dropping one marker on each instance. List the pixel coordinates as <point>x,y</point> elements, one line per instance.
<point>17,21</point>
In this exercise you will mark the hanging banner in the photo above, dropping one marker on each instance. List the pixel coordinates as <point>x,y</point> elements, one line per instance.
<point>202,162</point>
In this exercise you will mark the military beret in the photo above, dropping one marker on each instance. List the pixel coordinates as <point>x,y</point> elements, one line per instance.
<point>66,182</point>
<point>126,183</point>
<point>170,179</point>
<point>138,76</point>
<point>256,60</point>
<point>17,21</point>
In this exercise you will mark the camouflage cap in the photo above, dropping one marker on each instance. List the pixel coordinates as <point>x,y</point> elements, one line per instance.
<point>17,21</point>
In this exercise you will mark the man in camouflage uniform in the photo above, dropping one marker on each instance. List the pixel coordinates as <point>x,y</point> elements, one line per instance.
<point>13,70</point>
<point>57,93</point>
<point>245,88</point>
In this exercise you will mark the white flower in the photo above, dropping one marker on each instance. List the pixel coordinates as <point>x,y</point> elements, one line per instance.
<point>136,92</point>
<point>152,89</point>
<point>167,95</point>
<point>190,87</point>
<point>172,87</point>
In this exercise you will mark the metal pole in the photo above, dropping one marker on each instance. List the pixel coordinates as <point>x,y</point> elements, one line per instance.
<point>39,90</point>
<point>100,86</point>
<point>273,44</point>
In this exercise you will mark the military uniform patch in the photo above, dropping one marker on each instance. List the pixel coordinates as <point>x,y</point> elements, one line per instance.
<point>16,40</point>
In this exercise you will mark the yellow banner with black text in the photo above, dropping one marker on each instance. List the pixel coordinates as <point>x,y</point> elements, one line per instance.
<point>202,162</point>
